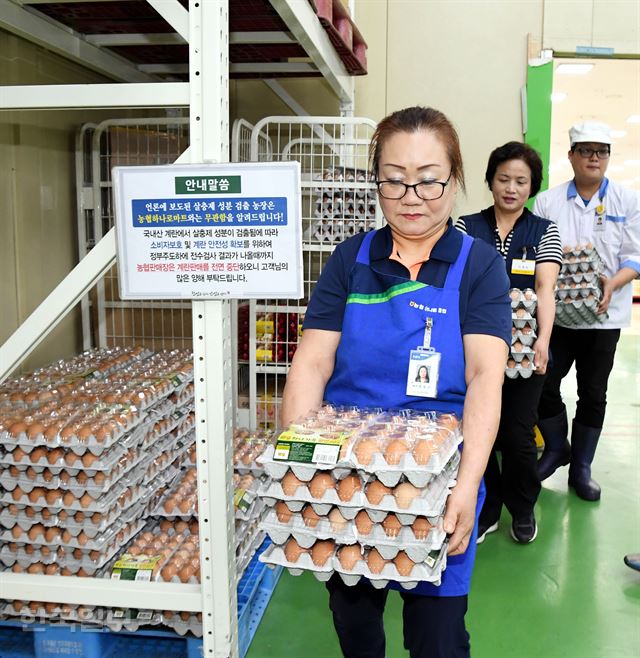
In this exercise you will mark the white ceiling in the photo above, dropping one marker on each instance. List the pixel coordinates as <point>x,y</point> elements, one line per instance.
<point>610,92</point>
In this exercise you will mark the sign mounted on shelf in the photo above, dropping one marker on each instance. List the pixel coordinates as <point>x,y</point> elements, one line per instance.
<point>210,231</point>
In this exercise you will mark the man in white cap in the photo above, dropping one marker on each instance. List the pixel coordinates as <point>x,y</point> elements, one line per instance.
<point>589,210</point>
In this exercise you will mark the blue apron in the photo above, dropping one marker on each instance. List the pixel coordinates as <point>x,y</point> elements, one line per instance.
<point>379,330</point>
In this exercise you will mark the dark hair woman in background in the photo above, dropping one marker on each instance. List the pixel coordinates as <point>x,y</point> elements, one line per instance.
<point>532,254</point>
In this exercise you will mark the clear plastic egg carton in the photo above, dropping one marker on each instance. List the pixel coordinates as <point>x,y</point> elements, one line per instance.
<point>40,612</point>
<point>78,484</point>
<point>55,537</point>
<point>247,549</point>
<point>160,555</point>
<point>525,298</point>
<point>324,559</point>
<point>130,619</point>
<point>253,511</point>
<point>418,539</point>
<point>248,446</point>
<point>404,499</point>
<point>93,429</point>
<point>121,495</point>
<point>181,498</point>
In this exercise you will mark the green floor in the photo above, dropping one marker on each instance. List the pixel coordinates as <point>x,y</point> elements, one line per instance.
<point>567,595</point>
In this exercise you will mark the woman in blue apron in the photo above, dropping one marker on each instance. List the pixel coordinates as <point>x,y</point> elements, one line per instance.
<point>383,295</point>
<point>532,253</point>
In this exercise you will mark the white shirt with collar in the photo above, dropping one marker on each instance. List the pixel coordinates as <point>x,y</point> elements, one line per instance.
<point>611,222</point>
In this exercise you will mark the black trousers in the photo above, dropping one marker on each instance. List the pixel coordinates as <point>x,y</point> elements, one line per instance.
<point>593,351</point>
<point>516,484</point>
<point>433,625</point>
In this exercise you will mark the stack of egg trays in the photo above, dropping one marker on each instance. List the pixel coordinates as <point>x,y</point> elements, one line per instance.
<point>523,333</point>
<point>131,620</point>
<point>342,211</point>
<point>436,478</point>
<point>579,288</point>
<point>36,612</point>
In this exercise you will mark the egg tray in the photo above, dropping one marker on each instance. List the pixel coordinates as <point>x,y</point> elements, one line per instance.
<point>73,443</point>
<point>419,475</point>
<point>574,316</point>
<point>430,501</point>
<point>254,510</point>
<point>585,265</point>
<point>247,550</point>
<point>54,612</point>
<point>167,471</point>
<point>526,299</point>
<point>274,555</point>
<point>521,323</point>
<point>527,339</point>
<point>95,542</point>
<point>191,623</point>
<point>519,355</point>
<point>65,559</point>
<point>520,371</point>
<point>348,533</point>
<point>27,484</point>
<point>61,518</point>
<point>130,619</point>
<point>160,428</point>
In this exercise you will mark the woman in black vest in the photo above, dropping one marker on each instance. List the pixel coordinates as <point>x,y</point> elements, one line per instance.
<point>532,254</point>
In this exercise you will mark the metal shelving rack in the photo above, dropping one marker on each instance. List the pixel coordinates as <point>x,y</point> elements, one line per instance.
<point>204,27</point>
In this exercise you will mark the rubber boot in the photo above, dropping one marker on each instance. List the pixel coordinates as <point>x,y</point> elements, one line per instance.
<point>557,451</point>
<point>584,441</point>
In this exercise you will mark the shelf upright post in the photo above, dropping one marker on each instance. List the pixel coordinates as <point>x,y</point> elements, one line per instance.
<point>209,130</point>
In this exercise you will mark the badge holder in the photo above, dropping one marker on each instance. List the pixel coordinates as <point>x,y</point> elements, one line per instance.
<point>424,368</point>
<point>599,222</point>
<point>523,265</point>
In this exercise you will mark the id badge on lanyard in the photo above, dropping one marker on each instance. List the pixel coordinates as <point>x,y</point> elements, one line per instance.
<point>424,368</point>
<point>599,219</point>
<point>523,265</point>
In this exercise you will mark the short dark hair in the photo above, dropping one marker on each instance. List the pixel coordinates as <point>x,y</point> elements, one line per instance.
<point>516,151</point>
<point>414,119</point>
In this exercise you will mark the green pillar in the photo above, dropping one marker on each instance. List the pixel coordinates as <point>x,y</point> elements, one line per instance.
<point>538,135</point>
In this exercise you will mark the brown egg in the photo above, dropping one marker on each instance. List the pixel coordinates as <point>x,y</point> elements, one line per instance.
<point>52,570</point>
<point>517,346</point>
<point>394,451</point>
<point>17,493</point>
<point>99,478</point>
<point>88,459</point>
<point>525,363</point>
<point>376,491</point>
<point>375,561</point>
<point>310,517</point>
<point>66,434</point>
<point>37,455</point>
<point>186,572</point>
<point>186,505</point>
<point>37,567</point>
<point>290,484</point>
<point>366,449</point>
<point>35,430</point>
<point>18,455</point>
<point>391,525</point>
<point>293,551</point>
<point>52,534</point>
<point>17,428</point>
<point>35,494</point>
<point>321,552</point>
<point>86,500</point>
<point>320,483</point>
<point>16,532</point>
<point>511,363</point>
<point>51,433</point>
<point>55,455</point>
<point>348,486</point>
<point>421,527</point>
<point>82,478</point>
<point>349,556</point>
<point>71,458</point>
<point>283,512</point>
<point>404,565</point>
<point>404,494</point>
<point>338,522</point>
<point>514,294</point>
<point>364,524</point>
<point>422,451</point>
<point>69,499</point>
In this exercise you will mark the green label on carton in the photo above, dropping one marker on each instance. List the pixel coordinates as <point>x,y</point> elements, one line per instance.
<point>135,567</point>
<point>208,184</point>
<point>309,447</point>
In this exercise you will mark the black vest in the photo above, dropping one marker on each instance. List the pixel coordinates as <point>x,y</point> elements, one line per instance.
<point>527,234</point>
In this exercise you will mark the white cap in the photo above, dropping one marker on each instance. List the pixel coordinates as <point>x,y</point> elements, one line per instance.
<point>590,131</point>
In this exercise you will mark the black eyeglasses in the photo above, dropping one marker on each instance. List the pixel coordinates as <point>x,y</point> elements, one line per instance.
<point>587,152</point>
<point>428,190</point>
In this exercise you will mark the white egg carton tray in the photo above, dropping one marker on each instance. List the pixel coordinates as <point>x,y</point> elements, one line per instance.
<point>274,555</point>
<point>419,475</point>
<point>579,294</point>
<point>430,501</point>
<point>347,533</point>
<point>565,280</point>
<point>578,313</point>
<point>8,520</point>
<point>247,551</point>
<point>73,443</point>
<point>519,299</point>
<point>130,619</point>
<point>255,509</point>
<point>66,559</point>
<point>278,469</point>
<point>181,626</point>
<point>526,339</point>
<point>520,371</point>
<point>61,612</point>
<point>525,351</point>
<point>58,459</point>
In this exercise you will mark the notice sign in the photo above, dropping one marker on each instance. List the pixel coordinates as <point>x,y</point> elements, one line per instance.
<point>214,231</point>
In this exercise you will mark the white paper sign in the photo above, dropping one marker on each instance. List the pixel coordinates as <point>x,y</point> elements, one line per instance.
<point>214,231</point>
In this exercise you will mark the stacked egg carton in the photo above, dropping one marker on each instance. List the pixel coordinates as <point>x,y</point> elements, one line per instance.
<point>523,333</point>
<point>370,503</point>
<point>345,209</point>
<point>79,463</point>
<point>579,288</point>
<point>248,476</point>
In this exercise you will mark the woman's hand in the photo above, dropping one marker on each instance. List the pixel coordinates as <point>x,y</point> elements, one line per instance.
<point>541,356</point>
<point>607,291</point>
<point>459,518</point>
